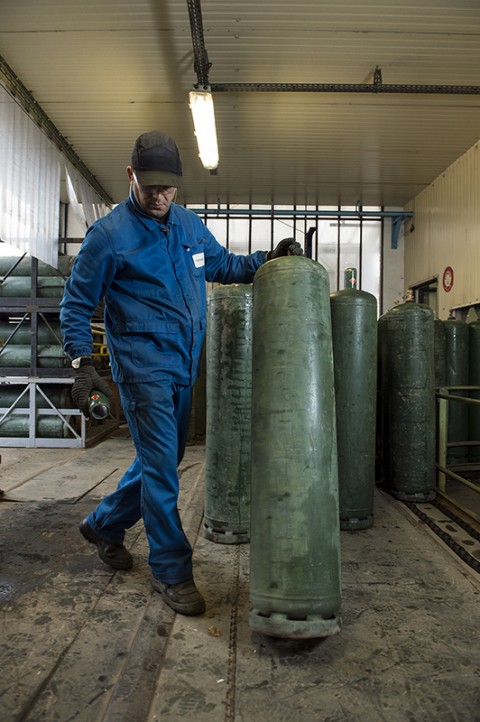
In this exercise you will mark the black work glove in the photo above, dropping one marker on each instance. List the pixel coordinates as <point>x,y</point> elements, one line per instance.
<point>86,380</point>
<point>286,247</point>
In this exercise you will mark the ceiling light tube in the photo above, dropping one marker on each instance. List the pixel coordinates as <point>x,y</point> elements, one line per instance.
<point>203,113</point>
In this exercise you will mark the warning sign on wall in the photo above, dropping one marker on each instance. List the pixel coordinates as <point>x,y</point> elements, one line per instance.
<point>447,279</point>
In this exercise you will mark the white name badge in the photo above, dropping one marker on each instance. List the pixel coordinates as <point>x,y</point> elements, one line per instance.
<point>198,259</point>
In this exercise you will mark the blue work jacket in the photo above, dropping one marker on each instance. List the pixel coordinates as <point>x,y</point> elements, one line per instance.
<point>152,277</point>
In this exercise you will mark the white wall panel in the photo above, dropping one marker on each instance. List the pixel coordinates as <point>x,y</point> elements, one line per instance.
<point>447,233</point>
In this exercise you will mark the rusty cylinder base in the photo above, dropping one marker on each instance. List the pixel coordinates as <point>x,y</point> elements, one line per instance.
<point>279,625</point>
<point>225,535</point>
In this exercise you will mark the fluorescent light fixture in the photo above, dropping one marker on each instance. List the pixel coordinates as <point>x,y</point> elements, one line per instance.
<point>201,105</point>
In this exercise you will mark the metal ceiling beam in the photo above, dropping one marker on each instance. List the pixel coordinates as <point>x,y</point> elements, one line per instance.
<point>26,100</point>
<point>345,88</point>
<point>201,64</point>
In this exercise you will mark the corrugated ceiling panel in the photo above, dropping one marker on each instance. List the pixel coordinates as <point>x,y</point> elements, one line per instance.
<point>106,70</point>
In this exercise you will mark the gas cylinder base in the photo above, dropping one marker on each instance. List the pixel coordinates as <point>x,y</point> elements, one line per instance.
<point>225,536</point>
<point>355,524</point>
<point>418,497</point>
<point>279,625</point>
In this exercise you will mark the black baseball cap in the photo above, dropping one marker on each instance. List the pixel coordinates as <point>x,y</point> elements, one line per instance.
<point>156,160</point>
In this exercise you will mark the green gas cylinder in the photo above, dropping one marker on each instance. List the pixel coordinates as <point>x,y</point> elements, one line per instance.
<point>474,380</point>
<point>229,388</point>
<point>24,266</point>
<point>50,334</point>
<point>295,531</point>
<point>411,402</point>
<point>382,434</point>
<point>57,396</point>
<point>46,427</point>
<point>457,374</point>
<point>439,352</point>
<point>20,356</point>
<point>21,287</point>
<point>98,405</point>
<point>354,333</point>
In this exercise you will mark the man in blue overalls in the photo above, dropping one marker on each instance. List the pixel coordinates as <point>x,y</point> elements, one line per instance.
<point>149,260</point>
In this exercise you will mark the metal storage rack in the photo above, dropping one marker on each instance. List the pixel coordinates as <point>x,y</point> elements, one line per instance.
<point>33,410</point>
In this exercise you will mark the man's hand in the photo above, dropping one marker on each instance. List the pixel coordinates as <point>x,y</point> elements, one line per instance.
<point>86,380</point>
<point>286,247</point>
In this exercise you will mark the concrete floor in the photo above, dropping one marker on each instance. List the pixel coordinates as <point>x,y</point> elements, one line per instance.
<point>80,642</point>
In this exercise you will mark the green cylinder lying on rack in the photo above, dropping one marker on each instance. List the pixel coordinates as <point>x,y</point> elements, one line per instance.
<point>45,334</point>
<point>47,427</point>
<point>354,333</point>
<point>229,391</point>
<point>58,395</point>
<point>24,267</point>
<point>21,287</point>
<point>411,402</point>
<point>20,356</point>
<point>295,530</point>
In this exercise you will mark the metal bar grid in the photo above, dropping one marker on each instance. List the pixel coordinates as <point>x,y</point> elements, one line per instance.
<point>443,396</point>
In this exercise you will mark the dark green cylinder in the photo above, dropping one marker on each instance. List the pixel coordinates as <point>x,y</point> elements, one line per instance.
<point>382,470</point>
<point>46,427</point>
<point>354,334</point>
<point>98,405</point>
<point>20,287</point>
<point>24,267</point>
<point>439,352</point>
<point>457,374</point>
<point>411,402</point>
<point>229,389</point>
<point>474,380</point>
<point>350,279</point>
<point>45,334</point>
<point>295,535</point>
<point>58,396</point>
<point>20,356</point>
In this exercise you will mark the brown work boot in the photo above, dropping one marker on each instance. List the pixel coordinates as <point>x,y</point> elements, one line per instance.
<point>115,555</point>
<point>183,598</point>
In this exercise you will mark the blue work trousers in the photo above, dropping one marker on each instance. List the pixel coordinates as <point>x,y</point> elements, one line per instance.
<point>157,414</point>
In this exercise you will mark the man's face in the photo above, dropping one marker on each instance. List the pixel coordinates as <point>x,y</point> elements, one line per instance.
<point>154,200</point>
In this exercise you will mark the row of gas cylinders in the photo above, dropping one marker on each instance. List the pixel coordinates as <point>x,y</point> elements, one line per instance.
<point>16,278</point>
<point>16,349</point>
<point>291,440</point>
<point>16,282</point>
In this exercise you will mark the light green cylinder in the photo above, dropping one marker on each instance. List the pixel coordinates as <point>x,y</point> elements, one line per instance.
<point>229,390</point>
<point>58,396</point>
<point>21,287</point>
<point>457,374</point>
<point>45,334</point>
<point>474,380</point>
<point>354,333</point>
<point>46,427</point>
<point>295,531</point>
<point>24,268</point>
<point>20,356</point>
<point>411,402</point>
